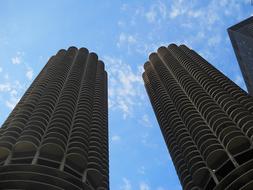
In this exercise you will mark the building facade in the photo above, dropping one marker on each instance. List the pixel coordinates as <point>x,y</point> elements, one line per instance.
<point>205,118</point>
<point>241,36</point>
<point>57,135</point>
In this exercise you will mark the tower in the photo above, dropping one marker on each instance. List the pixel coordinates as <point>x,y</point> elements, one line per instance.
<point>206,120</point>
<point>241,36</point>
<point>57,137</point>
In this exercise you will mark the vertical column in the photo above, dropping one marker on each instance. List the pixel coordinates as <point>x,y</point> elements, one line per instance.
<point>173,127</point>
<point>96,139</point>
<point>52,147</point>
<point>105,147</point>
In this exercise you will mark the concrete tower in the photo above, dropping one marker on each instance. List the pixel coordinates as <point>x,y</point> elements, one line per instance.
<point>57,137</point>
<point>241,36</point>
<point>206,120</point>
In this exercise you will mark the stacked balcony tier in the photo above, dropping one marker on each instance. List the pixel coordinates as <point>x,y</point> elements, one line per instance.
<point>56,136</point>
<point>206,119</point>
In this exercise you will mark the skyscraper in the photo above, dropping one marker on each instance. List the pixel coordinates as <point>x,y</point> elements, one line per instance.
<point>56,137</point>
<point>241,36</point>
<point>206,120</point>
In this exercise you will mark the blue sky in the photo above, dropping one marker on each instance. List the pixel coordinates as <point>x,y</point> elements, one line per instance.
<point>123,34</point>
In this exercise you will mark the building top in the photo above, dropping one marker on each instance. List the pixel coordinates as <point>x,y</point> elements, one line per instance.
<point>241,36</point>
<point>242,24</point>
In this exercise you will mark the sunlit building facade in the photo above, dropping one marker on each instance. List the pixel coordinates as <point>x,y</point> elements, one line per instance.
<point>57,135</point>
<point>205,118</point>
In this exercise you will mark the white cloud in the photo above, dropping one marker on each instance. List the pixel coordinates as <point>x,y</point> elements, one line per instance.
<point>126,41</point>
<point>121,23</point>
<point>29,73</point>
<point>116,138</point>
<point>147,141</point>
<point>142,170</point>
<point>144,138</point>
<point>122,38</point>
<point>126,184</point>
<point>145,121</point>
<point>151,15</point>
<point>162,9</point>
<point>131,39</point>
<point>1,69</point>
<point>195,14</point>
<point>124,7</point>
<point>11,103</point>
<point>123,105</point>
<point>178,7</point>
<point>5,87</point>
<point>14,96</point>
<point>208,19</point>
<point>174,13</point>
<point>16,60</point>
<point>125,86</point>
<point>144,186</point>
<point>214,40</point>
<point>156,13</point>
<point>13,93</point>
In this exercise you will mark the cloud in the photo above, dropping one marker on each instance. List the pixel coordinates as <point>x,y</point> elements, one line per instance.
<point>126,41</point>
<point>195,13</point>
<point>116,138</point>
<point>175,17</point>
<point>29,73</point>
<point>126,184</point>
<point>178,7</point>
<point>10,91</point>
<point>145,121</point>
<point>156,13</point>
<point>214,40</point>
<point>11,103</point>
<point>124,106</point>
<point>144,138</point>
<point>142,170</point>
<point>13,91</point>
<point>15,60</point>
<point>18,59</point>
<point>175,12</point>
<point>144,186</point>
<point>151,15</point>
<point>126,89</point>
<point>121,23</point>
<point>147,141</point>
<point>124,7</point>
<point>5,87</point>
